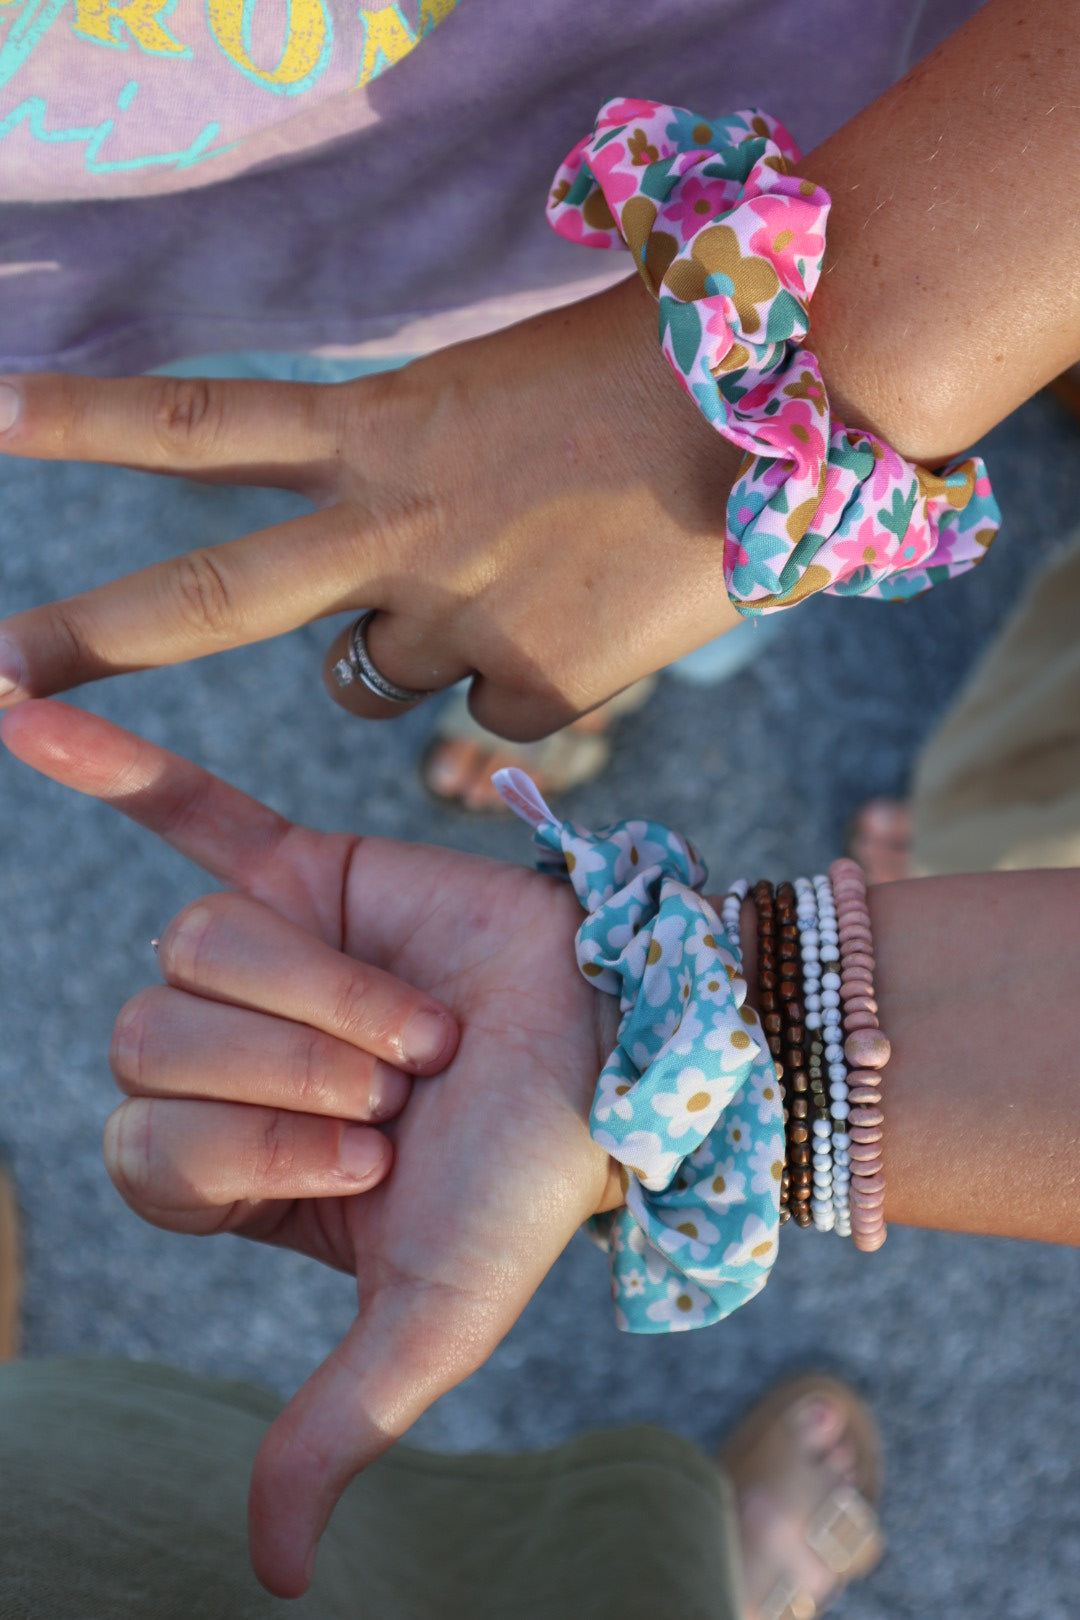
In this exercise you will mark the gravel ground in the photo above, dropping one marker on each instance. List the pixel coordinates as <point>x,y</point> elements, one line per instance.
<point>966,1347</point>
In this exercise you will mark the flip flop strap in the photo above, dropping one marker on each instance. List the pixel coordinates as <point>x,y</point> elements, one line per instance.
<point>844,1532</point>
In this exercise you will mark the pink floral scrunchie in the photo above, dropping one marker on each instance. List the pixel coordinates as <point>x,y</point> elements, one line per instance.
<point>730,242</point>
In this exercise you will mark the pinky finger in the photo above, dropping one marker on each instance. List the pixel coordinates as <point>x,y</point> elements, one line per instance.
<point>197,1166</point>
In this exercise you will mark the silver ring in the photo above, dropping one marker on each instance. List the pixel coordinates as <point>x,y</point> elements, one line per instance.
<point>359,666</point>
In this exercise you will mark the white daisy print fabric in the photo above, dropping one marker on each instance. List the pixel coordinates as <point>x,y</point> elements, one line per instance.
<point>688,1102</point>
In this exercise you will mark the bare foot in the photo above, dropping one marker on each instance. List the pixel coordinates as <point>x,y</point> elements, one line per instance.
<point>805,1471</point>
<point>881,835</point>
<point>459,768</point>
<point>461,758</point>
<point>452,764</point>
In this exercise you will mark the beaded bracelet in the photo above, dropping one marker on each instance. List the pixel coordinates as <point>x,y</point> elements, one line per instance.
<point>730,242</point>
<point>822,1208</point>
<point>769,1003</point>
<point>867,1050</point>
<point>794,1057</point>
<point>840,1094</point>
<point>832,1042</point>
<point>689,1101</point>
<point>833,1170</point>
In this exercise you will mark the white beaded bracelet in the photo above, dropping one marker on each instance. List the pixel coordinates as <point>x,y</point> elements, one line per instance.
<point>822,1211</point>
<point>832,1034</point>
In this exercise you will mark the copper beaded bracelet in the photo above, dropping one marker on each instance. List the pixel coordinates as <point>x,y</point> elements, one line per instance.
<point>819,1014</point>
<point>793,1037</point>
<point>771,1020</point>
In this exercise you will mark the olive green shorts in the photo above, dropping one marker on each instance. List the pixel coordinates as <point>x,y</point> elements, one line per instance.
<point>123,1492</point>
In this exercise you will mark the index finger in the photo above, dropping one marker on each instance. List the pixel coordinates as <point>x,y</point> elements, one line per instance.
<point>228,834</point>
<point>201,602</point>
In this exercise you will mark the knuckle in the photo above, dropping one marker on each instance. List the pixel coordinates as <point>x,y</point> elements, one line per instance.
<point>203,594</point>
<point>402,541</point>
<point>70,656</point>
<point>277,1150</point>
<point>418,519</point>
<point>313,1090</point>
<point>187,415</point>
<point>361,412</point>
<point>352,1013</point>
<point>412,502</point>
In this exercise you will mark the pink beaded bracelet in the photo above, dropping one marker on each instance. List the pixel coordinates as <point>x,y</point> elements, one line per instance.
<point>867,1051</point>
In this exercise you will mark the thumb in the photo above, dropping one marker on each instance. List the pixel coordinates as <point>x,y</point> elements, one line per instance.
<point>396,1360</point>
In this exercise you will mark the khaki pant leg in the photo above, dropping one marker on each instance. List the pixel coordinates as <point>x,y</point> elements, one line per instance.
<point>123,1493</point>
<point>998,786</point>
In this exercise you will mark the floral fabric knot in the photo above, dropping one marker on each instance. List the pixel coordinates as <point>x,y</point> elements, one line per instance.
<point>688,1102</point>
<point>730,242</point>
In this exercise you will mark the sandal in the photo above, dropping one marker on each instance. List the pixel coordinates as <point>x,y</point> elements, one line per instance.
<point>565,760</point>
<point>10,1278</point>
<point>806,1467</point>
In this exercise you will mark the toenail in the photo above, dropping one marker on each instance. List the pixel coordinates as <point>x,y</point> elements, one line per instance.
<point>818,1418</point>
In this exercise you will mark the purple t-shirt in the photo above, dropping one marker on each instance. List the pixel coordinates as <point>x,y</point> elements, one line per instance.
<point>181,177</point>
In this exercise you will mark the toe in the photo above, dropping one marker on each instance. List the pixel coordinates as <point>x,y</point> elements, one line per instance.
<point>481,793</point>
<point>886,818</point>
<point>819,1423</point>
<point>451,767</point>
<point>880,840</point>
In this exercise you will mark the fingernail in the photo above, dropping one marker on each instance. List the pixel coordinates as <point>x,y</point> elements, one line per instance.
<point>388,1092</point>
<point>110,1141</point>
<point>361,1153</point>
<point>426,1037</point>
<point>10,406</point>
<point>125,1041</point>
<point>125,1144</point>
<point>12,667</point>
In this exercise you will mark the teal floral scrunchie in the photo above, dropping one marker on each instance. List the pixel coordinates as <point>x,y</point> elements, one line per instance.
<point>688,1102</point>
<point>730,242</point>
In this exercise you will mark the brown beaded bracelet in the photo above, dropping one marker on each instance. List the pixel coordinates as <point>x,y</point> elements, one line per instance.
<point>793,1037</point>
<point>771,1017</point>
<point>819,1085</point>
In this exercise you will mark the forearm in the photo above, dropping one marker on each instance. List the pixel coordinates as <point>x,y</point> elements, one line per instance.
<point>978,989</point>
<point>951,285</point>
<point>978,980</point>
<point>950,288</point>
